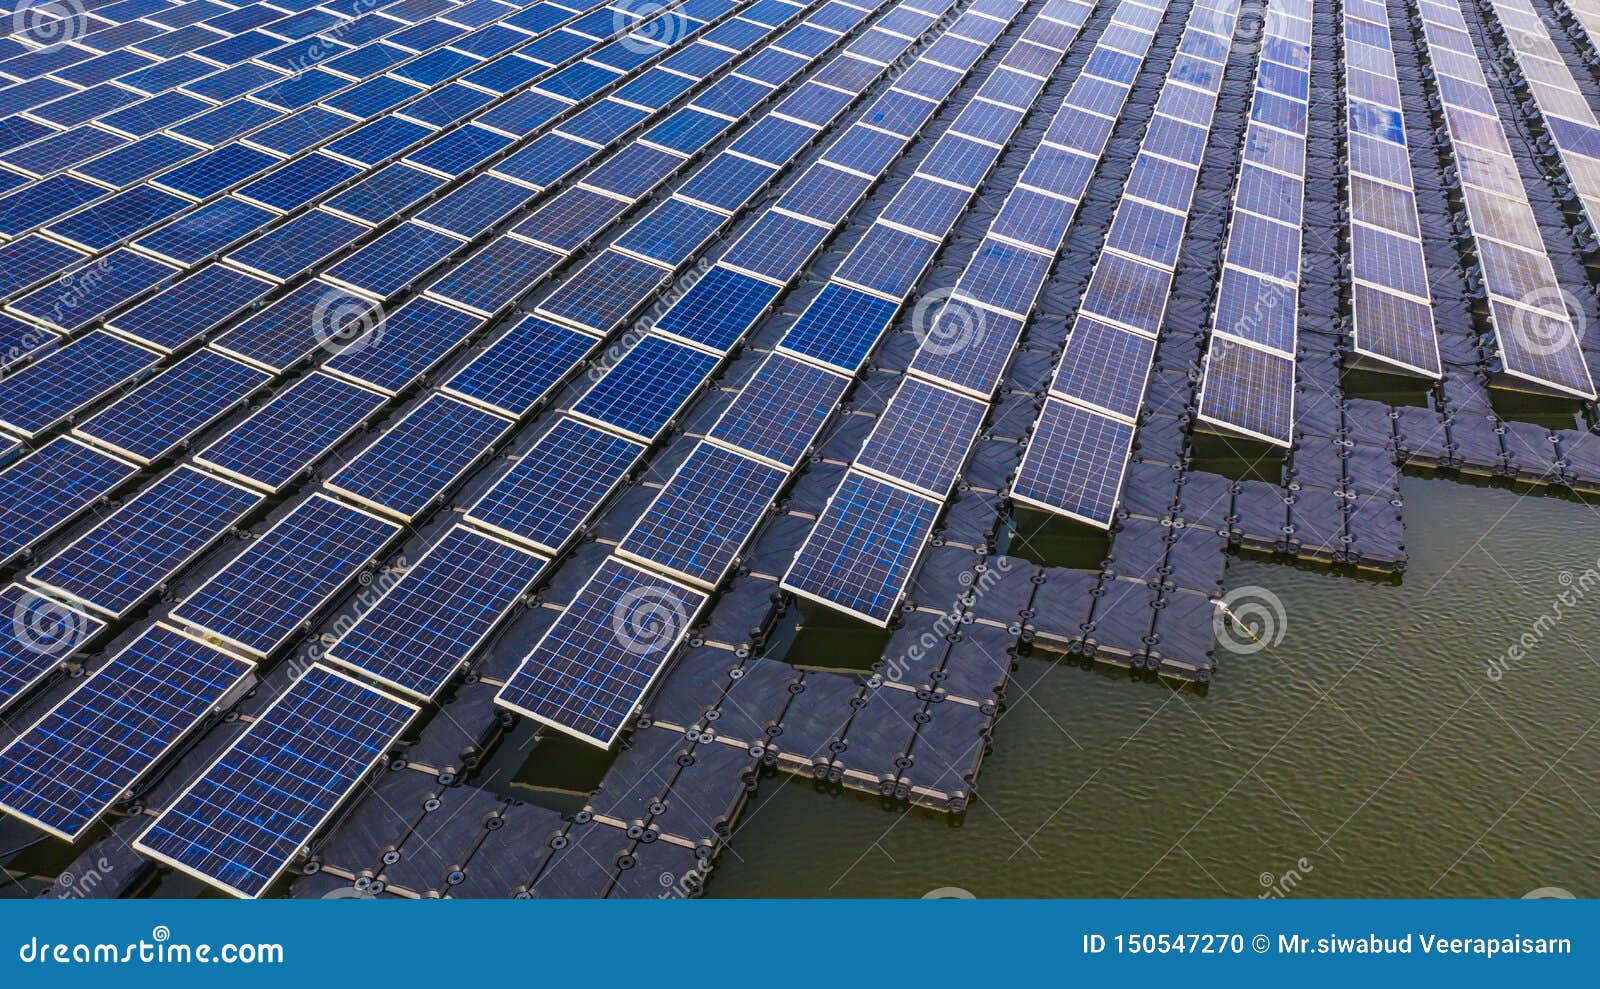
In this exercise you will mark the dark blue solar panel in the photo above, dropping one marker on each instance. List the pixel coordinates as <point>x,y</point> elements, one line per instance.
<point>239,825</point>
<point>557,485</point>
<point>46,392</point>
<point>475,207</point>
<point>226,122</point>
<point>719,309</point>
<point>586,676</point>
<point>384,193</point>
<point>372,97</point>
<point>264,594</point>
<point>83,295</point>
<point>21,341</point>
<point>62,151</point>
<point>119,562</point>
<point>860,555</point>
<point>1074,463</point>
<point>174,406</point>
<point>207,231</point>
<point>293,431</point>
<point>603,294</point>
<point>706,513</point>
<point>459,151</point>
<point>647,388</point>
<point>781,409</point>
<point>298,182</point>
<point>29,260</point>
<point>234,82</point>
<point>45,489</point>
<point>429,623</point>
<point>184,312</point>
<point>521,367</point>
<point>67,770</point>
<point>379,141</point>
<point>404,345</point>
<point>120,218</point>
<point>545,161</point>
<point>302,89</point>
<point>397,259</point>
<point>523,113</point>
<point>414,463</point>
<point>315,315</point>
<point>209,174</point>
<point>1249,390</point>
<point>297,246</point>
<point>840,327</point>
<point>300,132</point>
<point>672,232</point>
<point>35,205</point>
<point>923,437</point>
<point>496,276</point>
<point>137,161</point>
<point>40,635</point>
<point>446,105</point>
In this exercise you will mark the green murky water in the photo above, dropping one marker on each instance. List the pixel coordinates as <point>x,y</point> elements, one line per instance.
<point>1369,754</point>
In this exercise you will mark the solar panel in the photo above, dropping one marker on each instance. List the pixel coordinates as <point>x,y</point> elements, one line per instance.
<point>702,518</point>
<point>118,219</point>
<point>859,556</point>
<point>594,666</point>
<point>413,464</point>
<point>55,387</point>
<point>206,232</point>
<point>183,313</point>
<point>1074,463</point>
<point>642,392</point>
<point>383,194</point>
<point>404,345</point>
<point>21,342</point>
<point>495,277</point>
<point>119,562</point>
<point>265,594</point>
<point>296,247</point>
<point>67,770</point>
<point>605,292</point>
<point>229,165</point>
<point>41,634</point>
<point>840,327</point>
<point>719,310</point>
<point>298,182</point>
<point>314,316</point>
<point>240,824</point>
<point>85,294</point>
<point>172,408</point>
<point>556,486</point>
<point>394,261</point>
<point>923,437</point>
<point>49,487</point>
<point>431,621</point>
<point>29,260</point>
<point>285,437</point>
<point>518,370</point>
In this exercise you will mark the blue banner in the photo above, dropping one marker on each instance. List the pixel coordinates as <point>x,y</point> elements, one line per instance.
<point>180,942</point>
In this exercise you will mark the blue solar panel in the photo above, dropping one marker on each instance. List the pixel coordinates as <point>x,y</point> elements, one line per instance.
<point>393,261</point>
<point>30,260</point>
<point>698,523</point>
<point>48,391</point>
<point>719,310</point>
<point>61,151</point>
<point>46,489</point>
<point>21,342</point>
<point>182,313</point>
<point>384,193</point>
<point>923,437</point>
<point>672,232</point>
<point>300,132</point>
<point>83,295</point>
<point>431,621</point>
<point>378,141</point>
<point>1074,463</point>
<point>472,209</point>
<point>211,173</point>
<point>556,486</point>
<point>495,277</point>
<point>860,555</point>
<point>298,182</point>
<point>76,761</point>
<point>297,246</point>
<point>780,411</point>
<point>404,345</point>
<point>373,96</point>
<point>120,218</point>
<point>521,367</point>
<point>594,666</point>
<point>206,232</point>
<point>174,406</point>
<point>136,161</point>
<point>315,315</point>
<point>840,327</point>
<point>214,129</point>
<point>264,594</point>
<point>41,634</point>
<point>647,388</point>
<point>285,437</point>
<point>119,562</point>
<point>412,465</point>
<point>240,824</point>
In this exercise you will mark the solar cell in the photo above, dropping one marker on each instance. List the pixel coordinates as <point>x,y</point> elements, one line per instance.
<point>55,387</point>
<point>605,292</point>
<point>643,391</point>
<point>556,486</point>
<point>383,194</point>
<point>285,437</point>
<point>1074,463</point>
<point>41,634</point>
<point>67,770</point>
<point>594,666</point>
<point>240,824</point>
<point>922,438</point>
<point>779,412</point>
<point>282,579</point>
<point>718,310</point>
<point>138,548</point>
<point>173,407</point>
<point>859,556</point>
<point>29,260</point>
<point>404,345</point>
<point>190,309</point>
<point>117,219</point>
<point>49,487</point>
<point>298,182</point>
<point>315,315</point>
<point>412,465</point>
<point>85,294</point>
<point>698,523</point>
<point>431,621</point>
<point>518,370</point>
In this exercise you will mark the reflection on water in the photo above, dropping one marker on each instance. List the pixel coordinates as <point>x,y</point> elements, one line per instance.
<point>1371,753</point>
